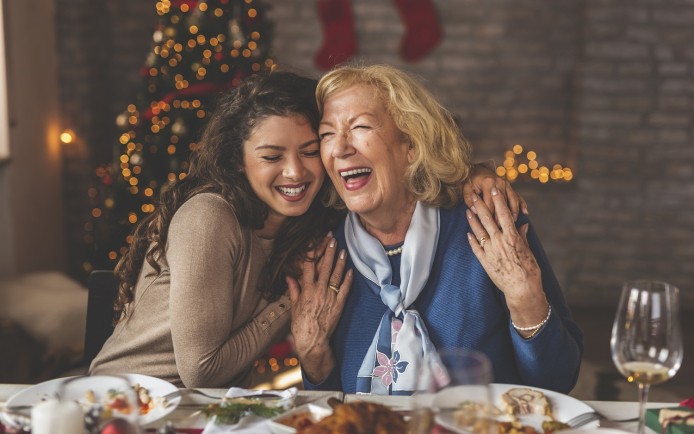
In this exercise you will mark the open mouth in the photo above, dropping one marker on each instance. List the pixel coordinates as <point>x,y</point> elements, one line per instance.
<point>292,192</point>
<point>348,175</point>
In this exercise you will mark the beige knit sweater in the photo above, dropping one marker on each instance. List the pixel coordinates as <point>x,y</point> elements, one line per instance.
<point>200,322</point>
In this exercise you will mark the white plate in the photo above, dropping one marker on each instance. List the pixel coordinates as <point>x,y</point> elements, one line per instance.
<point>596,430</point>
<point>563,406</point>
<point>315,412</point>
<point>100,384</point>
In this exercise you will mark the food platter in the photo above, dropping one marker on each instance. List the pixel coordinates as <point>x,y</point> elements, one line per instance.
<point>76,388</point>
<point>563,406</point>
<point>241,408</point>
<point>286,423</point>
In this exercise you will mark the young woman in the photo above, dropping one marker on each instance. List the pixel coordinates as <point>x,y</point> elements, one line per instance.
<point>202,291</point>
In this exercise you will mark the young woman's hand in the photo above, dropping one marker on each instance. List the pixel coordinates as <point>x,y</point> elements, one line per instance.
<point>482,180</point>
<point>317,303</point>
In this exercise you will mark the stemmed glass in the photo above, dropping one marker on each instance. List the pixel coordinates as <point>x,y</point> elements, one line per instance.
<point>452,390</point>
<point>646,338</point>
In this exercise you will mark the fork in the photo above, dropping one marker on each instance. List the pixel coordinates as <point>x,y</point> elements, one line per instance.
<point>183,392</point>
<point>583,419</point>
<point>16,417</point>
<point>588,417</point>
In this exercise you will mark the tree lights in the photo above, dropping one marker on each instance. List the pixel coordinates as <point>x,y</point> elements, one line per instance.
<point>199,48</point>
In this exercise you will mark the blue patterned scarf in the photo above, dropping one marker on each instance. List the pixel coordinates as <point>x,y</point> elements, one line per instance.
<point>402,340</point>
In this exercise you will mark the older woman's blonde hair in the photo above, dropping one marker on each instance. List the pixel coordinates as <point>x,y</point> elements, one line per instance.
<point>441,153</point>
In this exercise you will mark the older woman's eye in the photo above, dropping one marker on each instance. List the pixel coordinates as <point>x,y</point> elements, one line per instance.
<point>325,135</point>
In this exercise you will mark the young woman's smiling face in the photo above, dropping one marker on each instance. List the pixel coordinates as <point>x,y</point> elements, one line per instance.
<point>283,166</point>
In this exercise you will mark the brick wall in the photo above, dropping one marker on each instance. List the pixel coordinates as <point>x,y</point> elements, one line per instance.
<point>101,47</point>
<point>604,86</point>
<point>633,213</point>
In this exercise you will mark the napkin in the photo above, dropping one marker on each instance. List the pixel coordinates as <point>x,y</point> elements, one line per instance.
<point>250,424</point>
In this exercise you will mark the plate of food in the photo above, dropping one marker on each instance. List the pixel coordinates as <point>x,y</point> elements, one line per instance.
<point>108,393</point>
<point>526,410</point>
<point>299,418</point>
<point>359,417</point>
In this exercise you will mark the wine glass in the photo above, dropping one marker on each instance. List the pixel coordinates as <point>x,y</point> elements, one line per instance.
<point>452,391</point>
<point>646,338</point>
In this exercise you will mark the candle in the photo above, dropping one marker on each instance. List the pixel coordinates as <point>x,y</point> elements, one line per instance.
<point>57,417</point>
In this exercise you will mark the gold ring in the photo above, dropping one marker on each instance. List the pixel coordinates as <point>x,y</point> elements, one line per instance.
<point>334,288</point>
<point>482,240</point>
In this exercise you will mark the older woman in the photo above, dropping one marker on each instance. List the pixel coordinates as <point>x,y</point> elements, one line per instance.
<point>428,273</point>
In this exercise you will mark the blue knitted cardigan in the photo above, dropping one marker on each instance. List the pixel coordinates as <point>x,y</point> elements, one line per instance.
<point>462,308</point>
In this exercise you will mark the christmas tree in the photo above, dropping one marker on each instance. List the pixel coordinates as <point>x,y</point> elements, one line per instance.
<point>200,47</point>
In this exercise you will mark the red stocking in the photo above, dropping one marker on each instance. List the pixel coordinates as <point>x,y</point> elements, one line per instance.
<point>422,28</point>
<point>339,37</point>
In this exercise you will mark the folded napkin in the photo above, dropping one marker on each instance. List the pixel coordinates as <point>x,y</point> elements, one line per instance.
<point>251,424</point>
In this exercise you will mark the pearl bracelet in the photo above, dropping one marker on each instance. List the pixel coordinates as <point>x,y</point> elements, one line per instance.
<point>535,327</point>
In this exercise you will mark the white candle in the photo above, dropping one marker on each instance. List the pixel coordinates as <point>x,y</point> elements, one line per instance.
<point>56,417</point>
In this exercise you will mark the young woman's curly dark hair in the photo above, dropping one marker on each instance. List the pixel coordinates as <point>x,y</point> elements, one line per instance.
<point>216,166</point>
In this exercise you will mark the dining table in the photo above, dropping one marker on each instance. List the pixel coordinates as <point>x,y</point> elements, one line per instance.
<point>188,419</point>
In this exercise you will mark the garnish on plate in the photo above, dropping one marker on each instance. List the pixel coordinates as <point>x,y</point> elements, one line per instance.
<point>231,411</point>
<point>550,426</point>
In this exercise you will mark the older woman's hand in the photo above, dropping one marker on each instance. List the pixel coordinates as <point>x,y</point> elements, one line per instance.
<point>506,257</point>
<point>481,182</point>
<point>317,303</point>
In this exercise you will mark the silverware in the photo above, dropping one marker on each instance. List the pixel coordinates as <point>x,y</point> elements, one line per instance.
<point>583,419</point>
<point>17,416</point>
<point>184,392</point>
<point>17,411</point>
<point>591,416</point>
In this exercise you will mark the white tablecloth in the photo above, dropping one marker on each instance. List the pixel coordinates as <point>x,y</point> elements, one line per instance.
<point>184,416</point>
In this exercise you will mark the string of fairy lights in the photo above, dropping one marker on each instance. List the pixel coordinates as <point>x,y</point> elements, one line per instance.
<point>167,47</point>
<point>521,163</point>
<point>200,47</point>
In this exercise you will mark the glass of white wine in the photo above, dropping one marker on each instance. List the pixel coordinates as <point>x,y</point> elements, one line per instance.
<point>646,338</point>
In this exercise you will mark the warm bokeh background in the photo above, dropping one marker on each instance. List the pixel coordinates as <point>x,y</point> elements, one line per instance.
<point>604,87</point>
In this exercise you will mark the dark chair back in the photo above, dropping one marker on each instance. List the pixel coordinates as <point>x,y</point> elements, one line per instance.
<point>103,289</point>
